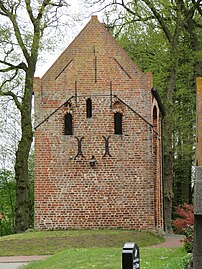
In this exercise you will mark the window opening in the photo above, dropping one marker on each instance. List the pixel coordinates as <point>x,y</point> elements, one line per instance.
<point>88,108</point>
<point>68,124</point>
<point>118,118</point>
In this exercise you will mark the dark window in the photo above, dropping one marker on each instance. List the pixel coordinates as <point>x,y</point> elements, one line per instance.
<point>68,124</point>
<point>88,108</point>
<point>118,117</point>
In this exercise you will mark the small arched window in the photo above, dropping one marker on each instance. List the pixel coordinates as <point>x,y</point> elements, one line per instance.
<point>155,123</point>
<point>68,124</point>
<point>118,118</point>
<point>88,108</point>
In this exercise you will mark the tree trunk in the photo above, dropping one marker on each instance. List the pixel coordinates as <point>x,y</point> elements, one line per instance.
<point>195,45</point>
<point>168,168</point>
<point>21,163</point>
<point>168,132</point>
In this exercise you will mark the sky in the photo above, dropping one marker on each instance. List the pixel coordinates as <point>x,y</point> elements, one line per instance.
<point>8,148</point>
<point>50,58</point>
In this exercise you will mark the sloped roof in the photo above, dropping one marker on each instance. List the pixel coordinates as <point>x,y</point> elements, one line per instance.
<point>97,35</point>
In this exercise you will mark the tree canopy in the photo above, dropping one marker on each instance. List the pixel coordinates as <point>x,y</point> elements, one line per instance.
<point>24,28</point>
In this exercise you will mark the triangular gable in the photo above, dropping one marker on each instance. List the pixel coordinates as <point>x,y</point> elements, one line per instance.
<point>101,42</point>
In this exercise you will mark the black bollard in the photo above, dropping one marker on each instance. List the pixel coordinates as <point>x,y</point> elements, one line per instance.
<point>130,256</point>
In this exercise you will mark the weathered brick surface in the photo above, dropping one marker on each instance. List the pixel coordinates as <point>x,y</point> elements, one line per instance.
<point>123,190</point>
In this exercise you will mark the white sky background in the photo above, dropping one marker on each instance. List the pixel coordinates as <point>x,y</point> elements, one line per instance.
<point>10,128</point>
<point>76,26</point>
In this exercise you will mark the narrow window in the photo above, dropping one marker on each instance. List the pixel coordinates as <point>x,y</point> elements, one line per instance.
<point>68,124</point>
<point>118,118</point>
<point>88,108</point>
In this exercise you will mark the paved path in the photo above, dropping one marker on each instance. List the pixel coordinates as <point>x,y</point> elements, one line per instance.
<point>17,262</point>
<point>14,265</point>
<point>172,241</point>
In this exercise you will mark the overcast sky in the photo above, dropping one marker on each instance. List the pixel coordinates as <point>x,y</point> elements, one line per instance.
<point>50,58</point>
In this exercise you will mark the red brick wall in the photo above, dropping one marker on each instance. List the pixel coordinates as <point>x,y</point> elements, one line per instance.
<point>122,190</point>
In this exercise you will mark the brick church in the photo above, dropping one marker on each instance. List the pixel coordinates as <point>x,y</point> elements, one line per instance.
<point>98,142</point>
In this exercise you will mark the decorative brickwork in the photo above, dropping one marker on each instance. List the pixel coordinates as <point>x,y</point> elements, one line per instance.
<point>94,178</point>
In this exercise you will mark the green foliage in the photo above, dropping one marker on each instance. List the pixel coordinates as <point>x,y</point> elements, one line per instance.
<point>19,53</point>
<point>147,45</point>
<point>184,124</point>
<point>7,204</point>
<point>161,37</point>
<point>188,261</point>
<point>8,195</point>
<point>189,238</point>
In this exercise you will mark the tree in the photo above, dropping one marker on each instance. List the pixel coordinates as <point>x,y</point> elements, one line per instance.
<point>10,133</point>
<point>7,194</point>
<point>23,26</point>
<point>174,18</point>
<point>31,187</point>
<point>150,51</point>
<point>184,124</point>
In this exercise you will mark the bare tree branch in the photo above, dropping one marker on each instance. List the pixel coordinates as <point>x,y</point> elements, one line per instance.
<point>27,32</point>
<point>12,17</point>
<point>12,67</point>
<point>41,10</point>
<point>29,10</point>
<point>151,6</point>
<point>197,5</point>
<point>189,12</point>
<point>159,19</point>
<point>198,25</point>
<point>10,93</point>
<point>15,98</point>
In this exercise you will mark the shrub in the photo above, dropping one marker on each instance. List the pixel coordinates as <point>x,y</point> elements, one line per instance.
<point>6,226</point>
<point>188,262</point>
<point>189,238</point>
<point>180,262</point>
<point>185,218</point>
<point>184,224</point>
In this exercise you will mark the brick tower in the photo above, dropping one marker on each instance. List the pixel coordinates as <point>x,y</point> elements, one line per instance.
<point>97,139</point>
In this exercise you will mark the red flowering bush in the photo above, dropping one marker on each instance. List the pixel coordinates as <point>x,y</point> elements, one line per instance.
<point>185,217</point>
<point>184,224</point>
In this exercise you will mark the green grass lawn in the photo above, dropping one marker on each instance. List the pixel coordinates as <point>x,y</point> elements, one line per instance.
<point>88,249</point>
<point>110,258</point>
<point>51,242</point>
